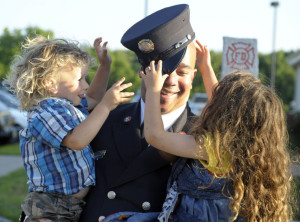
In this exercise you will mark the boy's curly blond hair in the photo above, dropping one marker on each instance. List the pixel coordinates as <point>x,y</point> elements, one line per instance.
<point>247,120</point>
<point>41,59</point>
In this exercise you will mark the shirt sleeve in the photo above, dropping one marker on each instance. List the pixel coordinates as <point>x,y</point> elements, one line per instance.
<point>213,165</point>
<point>52,124</point>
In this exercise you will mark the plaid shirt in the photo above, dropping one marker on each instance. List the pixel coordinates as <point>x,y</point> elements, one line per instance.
<point>52,167</point>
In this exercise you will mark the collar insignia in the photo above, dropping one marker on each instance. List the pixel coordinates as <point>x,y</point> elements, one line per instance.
<point>127,119</point>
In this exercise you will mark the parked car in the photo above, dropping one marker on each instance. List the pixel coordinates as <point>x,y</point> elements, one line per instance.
<point>8,131</point>
<point>12,104</point>
<point>197,102</point>
<point>137,96</point>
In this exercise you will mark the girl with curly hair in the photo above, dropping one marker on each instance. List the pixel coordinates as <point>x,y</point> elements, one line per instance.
<point>49,79</point>
<point>235,165</point>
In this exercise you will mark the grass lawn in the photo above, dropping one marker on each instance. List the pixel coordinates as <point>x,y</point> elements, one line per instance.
<point>297,214</point>
<point>13,189</point>
<point>10,149</point>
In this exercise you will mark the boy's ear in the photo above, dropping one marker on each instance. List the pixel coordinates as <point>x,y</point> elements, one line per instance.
<point>51,85</point>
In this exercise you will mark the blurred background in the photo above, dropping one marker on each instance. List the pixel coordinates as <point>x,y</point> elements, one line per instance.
<point>274,24</point>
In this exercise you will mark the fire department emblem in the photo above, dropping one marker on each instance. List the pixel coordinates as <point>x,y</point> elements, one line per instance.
<point>146,45</point>
<point>240,55</point>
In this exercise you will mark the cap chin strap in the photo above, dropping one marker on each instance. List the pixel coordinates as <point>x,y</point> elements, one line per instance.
<point>165,54</point>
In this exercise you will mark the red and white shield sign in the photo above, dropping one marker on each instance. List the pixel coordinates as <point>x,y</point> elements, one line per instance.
<point>241,55</point>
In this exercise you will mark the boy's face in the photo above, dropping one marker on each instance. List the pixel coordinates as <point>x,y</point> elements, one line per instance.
<point>71,83</point>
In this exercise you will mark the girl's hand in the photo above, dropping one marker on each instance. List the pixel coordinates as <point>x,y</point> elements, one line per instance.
<point>113,97</point>
<point>203,62</point>
<point>153,78</point>
<point>102,52</point>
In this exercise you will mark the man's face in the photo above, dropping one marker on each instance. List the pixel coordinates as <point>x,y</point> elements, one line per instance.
<point>177,87</point>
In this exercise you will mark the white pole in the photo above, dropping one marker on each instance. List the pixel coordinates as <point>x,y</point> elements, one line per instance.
<point>146,8</point>
<point>273,65</point>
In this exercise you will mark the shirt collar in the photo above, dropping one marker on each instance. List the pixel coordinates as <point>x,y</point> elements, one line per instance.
<point>168,119</point>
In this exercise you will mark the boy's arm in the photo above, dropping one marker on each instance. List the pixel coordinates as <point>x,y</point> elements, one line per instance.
<point>203,64</point>
<point>176,144</point>
<point>98,86</point>
<point>84,133</point>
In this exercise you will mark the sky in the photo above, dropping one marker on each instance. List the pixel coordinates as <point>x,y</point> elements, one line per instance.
<point>84,20</point>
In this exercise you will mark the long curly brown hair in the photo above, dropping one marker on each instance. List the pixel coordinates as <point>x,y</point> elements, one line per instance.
<point>247,120</point>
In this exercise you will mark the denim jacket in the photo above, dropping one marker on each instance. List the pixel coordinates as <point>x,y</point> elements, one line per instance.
<point>202,198</point>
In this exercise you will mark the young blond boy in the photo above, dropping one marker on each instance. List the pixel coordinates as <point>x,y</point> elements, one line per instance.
<point>49,80</point>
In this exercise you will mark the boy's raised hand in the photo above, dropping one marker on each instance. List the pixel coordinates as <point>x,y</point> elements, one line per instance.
<point>102,52</point>
<point>114,96</point>
<point>153,78</point>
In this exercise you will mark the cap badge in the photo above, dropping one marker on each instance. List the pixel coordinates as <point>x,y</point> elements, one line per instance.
<point>146,45</point>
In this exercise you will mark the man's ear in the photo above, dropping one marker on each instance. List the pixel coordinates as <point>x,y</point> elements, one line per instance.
<point>51,85</point>
<point>193,77</point>
<point>195,72</point>
<point>141,69</point>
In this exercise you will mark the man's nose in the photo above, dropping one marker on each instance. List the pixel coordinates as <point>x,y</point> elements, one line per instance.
<point>172,79</point>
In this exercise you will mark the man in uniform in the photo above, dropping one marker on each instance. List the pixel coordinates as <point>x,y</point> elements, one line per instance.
<point>130,174</point>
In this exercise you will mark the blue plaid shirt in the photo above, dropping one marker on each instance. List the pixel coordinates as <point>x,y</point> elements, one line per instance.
<point>52,167</point>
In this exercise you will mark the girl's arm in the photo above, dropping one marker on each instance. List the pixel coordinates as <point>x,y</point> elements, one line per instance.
<point>98,86</point>
<point>176,144</point>
<point>84,133</point>
<point>203,64</point>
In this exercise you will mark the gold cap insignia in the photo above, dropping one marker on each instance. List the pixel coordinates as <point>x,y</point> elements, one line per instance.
<point>146,45</point>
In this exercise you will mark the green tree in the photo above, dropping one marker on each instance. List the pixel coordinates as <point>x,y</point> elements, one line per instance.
<point>124,64</point>
<point>9,46</point>
<point>216,61</point>
<point>10,43</point>
<point>284,78</point>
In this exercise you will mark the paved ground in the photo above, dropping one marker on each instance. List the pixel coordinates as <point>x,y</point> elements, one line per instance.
<point>9,163</point>
<point>2,219</point>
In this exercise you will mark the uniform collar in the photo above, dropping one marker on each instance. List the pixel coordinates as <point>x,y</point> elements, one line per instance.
<point>168,119</point>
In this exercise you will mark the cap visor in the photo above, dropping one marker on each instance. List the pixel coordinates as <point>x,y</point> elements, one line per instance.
<point>171,63</point>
